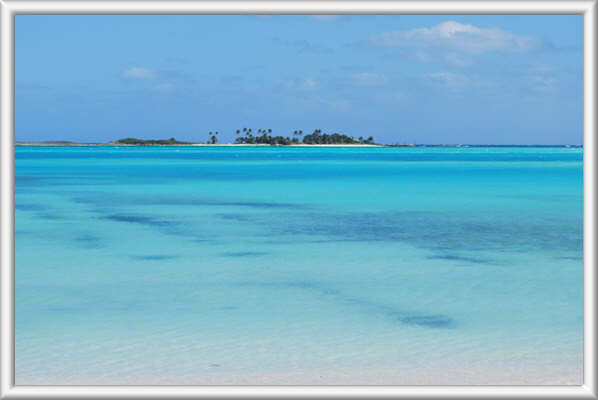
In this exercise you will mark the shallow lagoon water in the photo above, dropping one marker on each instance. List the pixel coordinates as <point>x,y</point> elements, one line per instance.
<point>298,265</point>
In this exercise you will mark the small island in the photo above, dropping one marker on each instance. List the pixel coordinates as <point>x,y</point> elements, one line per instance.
<point>244,137</point>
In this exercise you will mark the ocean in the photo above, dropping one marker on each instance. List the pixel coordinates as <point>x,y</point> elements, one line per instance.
<point>395,266</point>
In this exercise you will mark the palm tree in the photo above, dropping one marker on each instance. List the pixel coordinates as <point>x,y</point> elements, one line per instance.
<point>269,130</point>
<point>238,131</point>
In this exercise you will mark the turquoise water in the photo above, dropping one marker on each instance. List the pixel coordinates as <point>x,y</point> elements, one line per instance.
<point>298,265</point>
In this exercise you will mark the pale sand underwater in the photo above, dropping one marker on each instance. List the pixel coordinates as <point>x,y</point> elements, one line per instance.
<point>408,375</point>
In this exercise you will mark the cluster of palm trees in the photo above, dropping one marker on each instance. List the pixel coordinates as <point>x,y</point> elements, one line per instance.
<point>213,137</point>
<point>317,137</point>
<point>264,136</point>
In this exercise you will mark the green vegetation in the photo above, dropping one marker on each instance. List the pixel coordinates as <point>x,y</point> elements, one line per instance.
<point>336,138</point>
<point>149,142</point>
<point>263,136</point>
<point>317,137</point>
<point>213,137</point>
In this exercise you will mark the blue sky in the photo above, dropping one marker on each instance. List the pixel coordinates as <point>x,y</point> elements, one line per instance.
<point>402,79</point>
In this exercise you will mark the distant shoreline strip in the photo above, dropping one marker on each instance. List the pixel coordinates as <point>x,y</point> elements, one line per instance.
<point>73,144</point>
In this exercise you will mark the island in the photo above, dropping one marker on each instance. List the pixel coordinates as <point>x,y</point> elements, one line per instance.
<point>245,137</point>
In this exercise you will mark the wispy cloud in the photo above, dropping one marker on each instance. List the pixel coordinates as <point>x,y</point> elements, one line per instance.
<point>446,80</point>
<point>538,79</point>
<point>139,73</point>
<point>453,82</point>
<point>459,37</point>
<point>369,79</point>
<point>301,84</point>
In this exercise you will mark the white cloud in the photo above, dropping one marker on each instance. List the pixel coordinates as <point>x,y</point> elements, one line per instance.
<point>139,73</point>
<point>369,79</point>
<point>456,82</point>
<point>325,17</point>
<point>455,36</point>
<point>301,84</point>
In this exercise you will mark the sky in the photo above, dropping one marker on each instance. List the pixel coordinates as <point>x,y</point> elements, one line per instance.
<point>423,79</point>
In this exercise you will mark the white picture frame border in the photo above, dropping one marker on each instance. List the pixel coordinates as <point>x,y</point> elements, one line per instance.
<point>10,8</point>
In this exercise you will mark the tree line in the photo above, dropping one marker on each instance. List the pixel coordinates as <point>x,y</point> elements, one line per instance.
<point>264,136</point>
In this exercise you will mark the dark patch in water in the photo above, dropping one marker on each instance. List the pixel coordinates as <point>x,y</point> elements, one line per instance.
<point>442,232</point>
<point>88,241</point>
<point>256,204</point>
<point>136,219</point>
<point>154,258</point>
<point>23,180</point>
<point>454,257</point>
<point>243,254</point>
<point>29,207</point>
<point>164,226</point>
<point>86,238</point>
<point>103,198</point>
<point>388,311</point>
<point>223,203</point>
<point>52,217</point>
<point>403,316</point>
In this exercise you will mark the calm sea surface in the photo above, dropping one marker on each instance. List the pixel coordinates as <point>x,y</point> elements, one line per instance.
<point>298,265</point>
